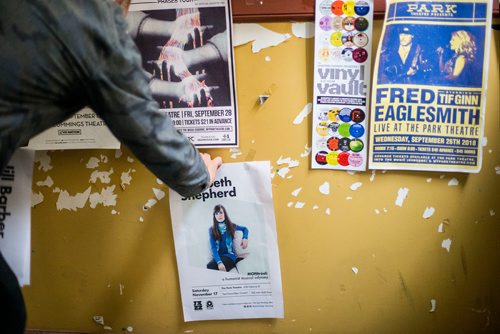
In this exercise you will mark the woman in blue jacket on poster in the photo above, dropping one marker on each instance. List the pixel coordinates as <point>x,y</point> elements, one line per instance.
<point>222,234</point>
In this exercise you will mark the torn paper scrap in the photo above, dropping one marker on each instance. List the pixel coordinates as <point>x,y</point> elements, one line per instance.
<point>492,212</point>
<point>372,177</point>
<point>106,197</point>
<point>48,182</point>
<point>306,152</point>
<point>44,160</point>
<point>159,194</point>
<point>433,306</point>
<point>104,176</point>
<point>402,193</point>
<point>68,202</point>
<point>36,198</point>
<point>328,211</point>
<point>290,204</point>
<point>98,319</point>
<point>356,185</point>
<point>296,192</point>
<point>428,212</point>
<point>441,228</point>
<point>497,170</point>
<point>453,182</point>
<point>125,178</point>
<point>303,114</point>
<point>235,152</point>
<point>92,163</point>
<point>261,37</point>
<point>355,270</point>
<point>325,188</point>
<point>149,204</point>
<point>299,205</point>
<point>446,244</point>
<point>303,29</point>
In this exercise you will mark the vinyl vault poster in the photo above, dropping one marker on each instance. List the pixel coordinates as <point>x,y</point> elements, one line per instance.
<point>15,213</point>
<point>343,34</point>
<point>429,94</point>
<point>226,247</point>
<point>187,52</point>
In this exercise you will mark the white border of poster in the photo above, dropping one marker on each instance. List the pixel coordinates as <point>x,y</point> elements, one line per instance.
<point>15,213</point>
<point>343,40</point>
<point>190,57</point>
<point>252,289</point>
<point>428,112</point>
<point>83,130</point>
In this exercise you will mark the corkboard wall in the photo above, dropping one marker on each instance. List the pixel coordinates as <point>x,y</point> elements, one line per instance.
<point>118,261</point>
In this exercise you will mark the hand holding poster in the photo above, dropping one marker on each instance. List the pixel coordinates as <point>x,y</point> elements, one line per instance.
<point>428,99</point>
<point>226,247</point>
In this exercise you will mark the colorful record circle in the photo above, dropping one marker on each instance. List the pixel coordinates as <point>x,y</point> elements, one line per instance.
<point>360,39</point>
<point>332,158</point>
<point>361,24</point>
<point>325,7</point>
<point>357,115</point>
<point>337,23</point>
<point>322,129</point>
<point>321,157</point>
<point>360,55</point>
<point>325,23</point>
<point>336,38</point>
<point>361,8</point>
<point>356,130</point>
<point>324,39</point>
<point>344,129</point>
<point>355,159</point>
<point>346,54</point>
<point>333,128</point>
<point>336,53</point>
<point>333,114</point>
<point>348,23</point>
<point>356,145</point>
<point>336,7</point>
<point>345,114</point>
<point>324,54</point>
<point>348,39</point>
<point>344,144</point>
<point>348,8</point>
<point>332,143</point>
<point>323,115</point>
<point>343,159</point>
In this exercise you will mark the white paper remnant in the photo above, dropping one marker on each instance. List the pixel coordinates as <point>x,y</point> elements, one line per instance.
<point>453,182</point>
<point>441,228</point>
<point>92,163</point>
<point>299,205</point>
<point>402,194</point>
<point>355,270</point>
<point>36,198</point>
<point>72,202</point>
<point>103,176</point>
<point>492,212</point>
<point>446,244</point>
<point>159,194</point>
<point>125,178</point>
<point>303,29</point>
<point>303,114</point>
<point>325,188</point>
<point>429,211</point>
<point>356,185</point>
<point>433,305</point>
<point>149,204</point>
<point>234,153</point>
<point>44,161</point>
<point>328,211</point>
<point>106,197</point>
<point>497,170</point>
<point>306,152</point>
<point>261,37</point>
<point>296,192</point>
<point>48,182</point>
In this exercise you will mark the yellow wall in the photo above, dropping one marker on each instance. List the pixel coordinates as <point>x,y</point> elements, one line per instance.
<point>95,262</point>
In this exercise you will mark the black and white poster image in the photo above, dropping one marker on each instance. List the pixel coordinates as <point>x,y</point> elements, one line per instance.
<point>185,53</point>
